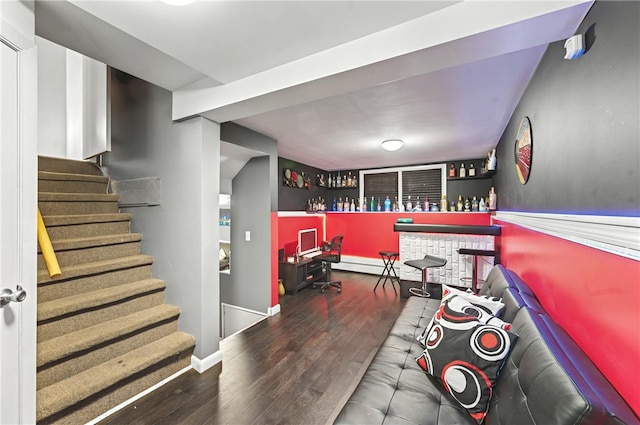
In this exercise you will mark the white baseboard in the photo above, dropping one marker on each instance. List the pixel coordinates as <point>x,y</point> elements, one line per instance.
<point>362,265</point>
<point>272,311</point>
<point>139,395</point>
<point>207,363</point>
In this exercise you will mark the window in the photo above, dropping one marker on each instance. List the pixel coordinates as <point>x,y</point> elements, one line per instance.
<point>404,184</point>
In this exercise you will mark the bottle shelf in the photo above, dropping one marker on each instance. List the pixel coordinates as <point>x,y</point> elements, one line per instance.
<point>483,175</point>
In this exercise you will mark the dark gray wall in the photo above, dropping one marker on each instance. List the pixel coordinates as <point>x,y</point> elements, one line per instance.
<point>293,198</point>
<point>584,118</point>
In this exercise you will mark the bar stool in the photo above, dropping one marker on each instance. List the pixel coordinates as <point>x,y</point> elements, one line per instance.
<point>424,264</point>
<point>388,258</point>
<point>474,268</point>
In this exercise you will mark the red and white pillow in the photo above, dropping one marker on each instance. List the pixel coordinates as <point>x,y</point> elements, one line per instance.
<point>465,352</point>
<point>485,308</point>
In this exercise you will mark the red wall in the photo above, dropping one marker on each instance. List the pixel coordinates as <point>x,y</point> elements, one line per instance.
<point>288,227</point>
<point>274,258</point>
<point>365,234</point>
<point>592,294</point>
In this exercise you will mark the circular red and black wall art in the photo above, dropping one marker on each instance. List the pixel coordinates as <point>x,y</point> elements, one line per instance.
<point>523,150</point>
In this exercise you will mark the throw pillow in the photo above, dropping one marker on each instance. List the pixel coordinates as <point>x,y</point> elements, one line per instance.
<point>466,356</point>
<point>491,304</point>
<point>482,307</point>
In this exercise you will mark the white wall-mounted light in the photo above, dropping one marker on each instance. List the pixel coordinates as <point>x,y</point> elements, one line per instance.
<point>392,145</point>
<point>574,47</point>
<point>178,2</point>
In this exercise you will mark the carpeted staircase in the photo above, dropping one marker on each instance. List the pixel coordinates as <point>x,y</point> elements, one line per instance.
<point>104,331</point>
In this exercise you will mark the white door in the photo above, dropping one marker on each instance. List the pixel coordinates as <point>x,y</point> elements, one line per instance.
<point>18,168</point>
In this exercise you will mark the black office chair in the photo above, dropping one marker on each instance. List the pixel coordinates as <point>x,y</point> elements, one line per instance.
<point>330,255</point>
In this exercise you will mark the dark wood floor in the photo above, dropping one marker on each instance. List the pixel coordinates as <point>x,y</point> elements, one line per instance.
<point>297,367</point>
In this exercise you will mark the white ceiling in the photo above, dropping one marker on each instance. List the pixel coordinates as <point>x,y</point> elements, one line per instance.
<point>330,79</point>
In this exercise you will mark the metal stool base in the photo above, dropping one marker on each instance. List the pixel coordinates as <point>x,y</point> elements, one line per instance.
<point>418,292</point>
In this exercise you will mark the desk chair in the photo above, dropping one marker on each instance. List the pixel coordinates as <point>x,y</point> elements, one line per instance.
<point>423,264</point>
<point>330,255</point>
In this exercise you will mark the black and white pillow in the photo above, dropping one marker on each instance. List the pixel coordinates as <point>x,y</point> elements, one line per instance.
<point>465,355</point>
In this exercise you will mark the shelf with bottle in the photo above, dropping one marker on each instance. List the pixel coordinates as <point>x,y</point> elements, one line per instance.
<point>342,180</point>
<point>475,203</point>
<point>482,168</point>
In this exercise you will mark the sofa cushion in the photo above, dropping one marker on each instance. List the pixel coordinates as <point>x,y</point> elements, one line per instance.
<point>465,355</point>
<point>394,390</point>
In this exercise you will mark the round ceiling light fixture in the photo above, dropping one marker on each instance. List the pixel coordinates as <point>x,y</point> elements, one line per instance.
<point>392,144</point>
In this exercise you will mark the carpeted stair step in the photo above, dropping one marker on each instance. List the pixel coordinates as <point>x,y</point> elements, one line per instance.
<point>86,225</point>
<point>70,314</point>
<point>49,181</point>
<point>66,355</point>
<point>84,250</point>
<point>82,278</point>
<point>86,395</point>
<point>77,203</point>
<point>70,166</point>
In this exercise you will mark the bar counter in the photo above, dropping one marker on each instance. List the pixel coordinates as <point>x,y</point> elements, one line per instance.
<point>368,233</point>
<point>492,230</point>
<point>441,240</point>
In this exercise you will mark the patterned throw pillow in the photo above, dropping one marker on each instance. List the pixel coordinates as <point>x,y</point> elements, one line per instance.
<point>483,307</point>
<point>465,356</point>
<point>493,305</point>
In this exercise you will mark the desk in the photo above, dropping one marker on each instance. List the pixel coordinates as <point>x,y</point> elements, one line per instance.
<point>299,274</point>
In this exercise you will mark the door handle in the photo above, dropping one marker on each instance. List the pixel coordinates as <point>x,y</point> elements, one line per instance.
<point>7,295</point>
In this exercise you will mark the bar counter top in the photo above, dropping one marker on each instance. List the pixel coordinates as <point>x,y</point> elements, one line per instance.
<point>491,230</point>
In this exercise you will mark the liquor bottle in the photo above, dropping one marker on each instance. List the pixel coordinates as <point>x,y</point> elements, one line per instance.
<point>482,206</point>
<point>396,207</point>
<point>329,181</point>
<point>491,163</point>
<point>373,204</point>
<point>452,207</point>
<point>364,204</point>
<point>334,205</point>
<point>344,181</point>
<point>409,205</point>
<point>474,204</point>
<point>467,204</point>
<point>452,170</point>
<point>387,204</point>
<point>349,179</point>
<point>426,204</point>
<point>460,203</point>
<point>493,199</point>
<point>340,205</point>
<point>338,180</point>
<point>443,203</point>
<point>463,171</point>
<point>378,206</point>
<point>472,170</point>
<point>346,205</point>
<point>359,205</point>
<point>354,181</point>
<point>353,205</point>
